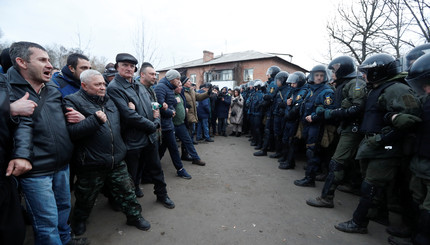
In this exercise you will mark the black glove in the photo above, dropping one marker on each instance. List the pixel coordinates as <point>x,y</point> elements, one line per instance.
<point>235,101</point>
<point>267,97</point>
<point>283,105</point>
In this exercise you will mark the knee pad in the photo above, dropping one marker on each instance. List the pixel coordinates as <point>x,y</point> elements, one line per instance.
<point>310,153</point>
<point>368,190</point>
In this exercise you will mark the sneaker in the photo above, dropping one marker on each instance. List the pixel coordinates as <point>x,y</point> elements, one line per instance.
<point>209,140</point>
<point>260,153</point>
<point>320,202</point>
<point>183,174</point>
<point>351,227</point>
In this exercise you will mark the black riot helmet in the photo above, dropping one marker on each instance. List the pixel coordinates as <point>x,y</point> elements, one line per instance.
<point>419,74</point>
<point>282,77</point>
<point>380,67</point>
<point>343,67</point>
<point>297,77</point>
<point>414,54</point>
<point>272,71</point>
<point>318,68</point>
<point>258,84</point>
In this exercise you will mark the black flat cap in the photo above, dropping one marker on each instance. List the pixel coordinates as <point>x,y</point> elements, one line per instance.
<point>124,57</point>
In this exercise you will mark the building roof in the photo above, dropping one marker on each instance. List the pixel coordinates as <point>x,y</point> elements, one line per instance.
<point>232,57</point>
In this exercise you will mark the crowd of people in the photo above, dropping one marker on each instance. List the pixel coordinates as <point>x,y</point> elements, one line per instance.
<point>362,129</point>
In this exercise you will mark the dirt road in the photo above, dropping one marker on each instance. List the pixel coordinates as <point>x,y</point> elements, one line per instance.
<point>235,199</point>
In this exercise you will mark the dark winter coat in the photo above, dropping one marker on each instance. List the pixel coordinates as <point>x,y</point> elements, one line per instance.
<point>51,143</point>
<point>98,144</point>
<point>222,105</point>
<point>138,126</point>
<point>203,107</point>
<point>165,93</point>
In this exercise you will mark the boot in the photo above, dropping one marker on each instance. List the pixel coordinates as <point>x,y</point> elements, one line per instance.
<point>423,228</point>
<point>305,182</point>
<point>321,202</point>
<point>278,148</point>
<point>366,203</point>
<point>238,134</point>
<point>260,153</point>
<point>232,133</point>
<point>351,227</point>
<point>286,165</point>
<point>184,154</point>
<point>399,241</point>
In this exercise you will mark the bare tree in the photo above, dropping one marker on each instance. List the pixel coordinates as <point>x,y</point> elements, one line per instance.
<point>398,25</point>
<point>145,47</point>
<point>420,10</point>
<point>358,28</point>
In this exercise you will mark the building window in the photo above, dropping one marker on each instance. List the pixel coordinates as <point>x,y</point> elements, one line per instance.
<point>193,78</point>
<point>248,74</point>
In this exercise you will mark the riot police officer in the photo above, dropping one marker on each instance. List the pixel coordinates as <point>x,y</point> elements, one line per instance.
<point>349,104</point>
<point>299,90</point>
<point>321,95</point>
<point>256,113</point>
<point>388,100</point>
<point>419,79</point>
<point>279,105</point>
<point>268,110</point>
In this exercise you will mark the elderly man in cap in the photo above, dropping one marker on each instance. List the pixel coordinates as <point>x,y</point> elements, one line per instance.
<point>139,123</point>
<point>165,94</point>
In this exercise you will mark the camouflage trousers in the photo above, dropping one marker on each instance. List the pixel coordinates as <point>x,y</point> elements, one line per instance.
<point>117,181</point>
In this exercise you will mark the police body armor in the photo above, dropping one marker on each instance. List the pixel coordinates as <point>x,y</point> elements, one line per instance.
<point>373,120</point>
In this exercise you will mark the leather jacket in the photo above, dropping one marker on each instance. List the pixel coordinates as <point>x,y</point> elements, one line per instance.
<point>138,126</point>
<point>97,143</point>
<point>50,141</point>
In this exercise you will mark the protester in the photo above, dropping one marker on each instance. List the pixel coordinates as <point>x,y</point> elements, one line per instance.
<point>46,186</point>
<point>165,94</point>
<point>203,112</point>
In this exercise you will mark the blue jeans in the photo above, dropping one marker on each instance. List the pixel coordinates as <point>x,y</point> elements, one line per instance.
<point>48,202</point>
<point>203,124</point>
<point>183,135</point>
<point>169,142</point>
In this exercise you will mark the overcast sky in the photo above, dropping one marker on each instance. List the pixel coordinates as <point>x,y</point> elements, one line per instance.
<point>180,30</point>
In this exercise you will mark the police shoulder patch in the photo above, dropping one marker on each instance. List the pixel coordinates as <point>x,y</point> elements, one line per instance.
<point>328,101</point>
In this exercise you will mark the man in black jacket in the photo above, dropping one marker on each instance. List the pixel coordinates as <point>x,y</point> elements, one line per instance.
<point>100,153</point>
<point>46,186</point>
<point>12,227</point>
<point>139,123</point>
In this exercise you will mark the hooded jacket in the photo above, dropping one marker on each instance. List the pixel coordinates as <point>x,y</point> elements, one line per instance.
<point>165,94</point>
<point>66,82</point>
<point>51,143</point>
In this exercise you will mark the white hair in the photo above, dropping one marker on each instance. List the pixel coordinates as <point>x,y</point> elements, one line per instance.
<point>88,74</point>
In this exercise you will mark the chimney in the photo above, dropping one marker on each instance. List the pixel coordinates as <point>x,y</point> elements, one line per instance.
<point>207,56</point>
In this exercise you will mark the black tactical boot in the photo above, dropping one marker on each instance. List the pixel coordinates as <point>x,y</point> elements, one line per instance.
<point>305,182</point>
<point>286,165</point>
<point>260,153</point>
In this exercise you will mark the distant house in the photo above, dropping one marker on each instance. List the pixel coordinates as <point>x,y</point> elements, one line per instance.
<point>238,68</point>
